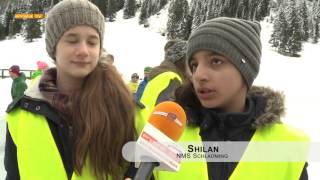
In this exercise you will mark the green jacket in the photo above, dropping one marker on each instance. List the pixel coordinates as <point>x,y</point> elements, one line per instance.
<point>18,86</point>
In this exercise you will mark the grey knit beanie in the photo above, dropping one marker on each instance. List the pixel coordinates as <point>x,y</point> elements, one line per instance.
<point>68,14</point>
<point>175,50</point>
<point>236,39</point>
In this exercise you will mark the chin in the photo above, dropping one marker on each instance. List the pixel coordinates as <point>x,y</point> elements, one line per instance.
<point>80,74</point>
<point>207,104</point>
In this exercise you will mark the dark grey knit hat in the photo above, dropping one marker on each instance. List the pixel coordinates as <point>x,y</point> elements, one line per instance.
<point>175,50</point>
<point>70,13</point>
<point>236,39</point>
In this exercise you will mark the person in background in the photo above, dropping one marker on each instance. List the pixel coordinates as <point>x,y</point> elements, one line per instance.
<point>41,66</point>
<point>133,84</point>
<point>73,122</point>
<point>143,83</point>
<point>110,59</point>
<point>162,83</point>
<point>19,84</point>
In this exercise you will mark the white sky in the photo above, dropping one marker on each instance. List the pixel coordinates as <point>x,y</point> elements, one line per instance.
<point>135,47</point>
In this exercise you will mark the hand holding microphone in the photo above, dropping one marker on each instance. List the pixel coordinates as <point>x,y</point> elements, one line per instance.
<point>165,126</point>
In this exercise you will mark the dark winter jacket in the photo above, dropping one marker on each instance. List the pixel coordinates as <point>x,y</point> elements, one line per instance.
<point>263,106</point>
<point>18,86</point>
<point>34,102</point>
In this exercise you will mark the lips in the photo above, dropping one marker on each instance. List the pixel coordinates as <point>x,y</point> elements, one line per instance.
<point>205,93</point>
<point>80,63</point>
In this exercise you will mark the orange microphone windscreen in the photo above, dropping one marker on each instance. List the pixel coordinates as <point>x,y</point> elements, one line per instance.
<point>170,118</point>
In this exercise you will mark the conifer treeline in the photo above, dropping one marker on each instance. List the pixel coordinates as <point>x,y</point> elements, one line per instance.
<point>295,21</point>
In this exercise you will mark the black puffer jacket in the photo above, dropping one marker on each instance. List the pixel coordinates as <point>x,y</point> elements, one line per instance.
<point>263,106</point>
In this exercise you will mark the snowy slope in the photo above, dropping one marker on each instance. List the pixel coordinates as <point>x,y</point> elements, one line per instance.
<point>135,47</point>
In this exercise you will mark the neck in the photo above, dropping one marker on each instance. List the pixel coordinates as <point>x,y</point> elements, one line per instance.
<point>237,105</point>
<point>68,85</point>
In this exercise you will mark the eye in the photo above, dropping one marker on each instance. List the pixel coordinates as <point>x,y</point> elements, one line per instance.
<point>92,42</point>
<point>216,61</point>
<point>193,66</point>
<point>71,41</point>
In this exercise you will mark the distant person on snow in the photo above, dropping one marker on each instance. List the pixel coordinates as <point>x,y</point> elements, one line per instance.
<point>73,122</point>
<point>143,83</point>
<point>19,82</point>
<point>133,83</point>
<point>41,66</point>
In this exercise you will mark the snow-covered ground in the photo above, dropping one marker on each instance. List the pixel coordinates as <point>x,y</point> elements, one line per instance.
<point>135,47</point>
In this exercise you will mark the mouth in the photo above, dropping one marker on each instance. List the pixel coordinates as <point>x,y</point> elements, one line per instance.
<point>80,63</point>
<point>205,93</point>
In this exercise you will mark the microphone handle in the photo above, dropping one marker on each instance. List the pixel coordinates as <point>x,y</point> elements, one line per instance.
<point>145,170</point>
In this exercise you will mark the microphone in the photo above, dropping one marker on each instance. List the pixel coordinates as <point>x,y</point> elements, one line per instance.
<point>165,126</point>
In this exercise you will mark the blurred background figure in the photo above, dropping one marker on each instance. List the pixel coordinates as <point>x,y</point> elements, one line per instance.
<point>143,83</point>
<point>19,82</point>
<point>105,56</point>
<point>133,83</point>
<point>110,59</point>
<point>41,66</point>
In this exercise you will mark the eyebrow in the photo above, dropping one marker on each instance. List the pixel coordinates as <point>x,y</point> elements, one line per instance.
<point>76,35</point>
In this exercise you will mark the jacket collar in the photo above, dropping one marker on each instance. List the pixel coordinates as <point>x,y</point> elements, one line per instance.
<point>264,106</point>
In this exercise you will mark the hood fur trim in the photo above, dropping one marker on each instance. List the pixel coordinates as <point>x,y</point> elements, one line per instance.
<point>274,107</point>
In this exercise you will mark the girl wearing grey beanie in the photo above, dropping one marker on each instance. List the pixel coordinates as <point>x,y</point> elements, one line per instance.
<point>223,56</point>
<point>74,120</point>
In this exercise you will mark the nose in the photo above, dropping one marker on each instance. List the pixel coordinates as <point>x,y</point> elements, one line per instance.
<point>201,73</point>
<point>82,49</point>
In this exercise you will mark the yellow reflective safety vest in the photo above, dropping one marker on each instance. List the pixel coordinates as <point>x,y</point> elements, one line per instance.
<point>244,170</point>
<point>37,154</point>
<point>150,96</point>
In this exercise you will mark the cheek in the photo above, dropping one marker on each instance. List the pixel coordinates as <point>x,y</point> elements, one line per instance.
<point>233,81</point>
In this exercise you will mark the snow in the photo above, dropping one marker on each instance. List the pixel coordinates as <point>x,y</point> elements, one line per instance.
<point>135,47</point>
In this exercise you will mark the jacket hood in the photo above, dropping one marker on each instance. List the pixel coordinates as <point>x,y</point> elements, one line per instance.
<point>266,107</point>
<point>270,105</point>
<point>34,92</point>
<point>21,77</point>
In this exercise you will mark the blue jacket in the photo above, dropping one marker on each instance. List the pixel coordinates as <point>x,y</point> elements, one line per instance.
<point>141,87</point>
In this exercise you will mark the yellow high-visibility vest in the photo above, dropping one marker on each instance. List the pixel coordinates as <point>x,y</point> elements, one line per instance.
<point>244,170</point>
<point>150,96</point>
<point>37,153</point>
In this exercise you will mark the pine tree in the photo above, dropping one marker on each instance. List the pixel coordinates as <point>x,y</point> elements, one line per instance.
<point>315,19</point>
<point>211,7</point>
<point>145,11</point>
<point>120,4</point>
<point>294,44</point>
<point>197,16</point>
<point>15,25</point>
<point>279,37</point>
<point>33,26</point>
<point>2,32</point>
<point>304,23</point>
<point>177,21</point>
<point>7,19</point>
<point>102,5</point>
<point>160,4</point>
<point>263,10</point>
<point>275,36</point>
<point>129,9</point>
<point>111,9</point>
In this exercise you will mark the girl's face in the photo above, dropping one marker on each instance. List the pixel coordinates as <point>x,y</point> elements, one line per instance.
<point>77,52</point>
<point>217,82</point>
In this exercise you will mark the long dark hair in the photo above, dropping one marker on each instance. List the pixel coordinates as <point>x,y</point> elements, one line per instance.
<point>102,121</point>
